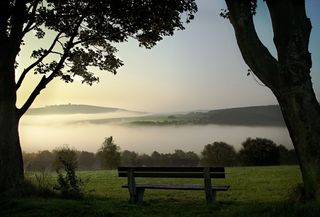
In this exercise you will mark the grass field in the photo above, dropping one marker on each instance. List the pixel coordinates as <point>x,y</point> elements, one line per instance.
<point>255,191</point>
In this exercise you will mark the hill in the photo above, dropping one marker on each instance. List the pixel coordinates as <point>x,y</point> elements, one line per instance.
<point>255,115</point>
<point>71,109</point>
<point>246,116</point>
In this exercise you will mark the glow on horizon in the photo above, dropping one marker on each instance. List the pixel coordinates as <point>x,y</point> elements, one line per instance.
<point>198,68</point>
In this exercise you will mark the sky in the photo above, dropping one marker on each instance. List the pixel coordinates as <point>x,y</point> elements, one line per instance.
<point>200,68</point>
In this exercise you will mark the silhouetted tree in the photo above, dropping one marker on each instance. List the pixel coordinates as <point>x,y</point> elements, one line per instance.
<point>86,160</point>
<point>28,158</point>
<point>287,75</point>
<point>192,159</point>
<point>145,160</point>
<point>156,159</point>
<point>129,158</point>
<point>287,157</point>
<point>218,153</point>
<point>81,35</point>
<point>109,154</point>
<point>43,160</point>
<point>258,152</point>
<point>181,158</point>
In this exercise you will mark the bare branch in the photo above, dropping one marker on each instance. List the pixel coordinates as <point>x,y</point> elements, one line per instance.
<point>42,84</point>
<point>56,52</point>
<point>45,80</point>
<point>25,71</point>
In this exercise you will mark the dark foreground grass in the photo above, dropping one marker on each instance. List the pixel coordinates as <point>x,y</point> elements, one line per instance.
<point>255,191</point>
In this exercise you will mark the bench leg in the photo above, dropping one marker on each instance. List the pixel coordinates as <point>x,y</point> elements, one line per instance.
<point>211,198</point>
<point>133,197</point>
<point>137,195</point>
<point>140,192</point>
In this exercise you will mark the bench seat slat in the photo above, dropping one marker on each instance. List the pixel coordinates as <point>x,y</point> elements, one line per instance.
<point>171,169</point>
<point>172,174</point>
<point>179,187</point>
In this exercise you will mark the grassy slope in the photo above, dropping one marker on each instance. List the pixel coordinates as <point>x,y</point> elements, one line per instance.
<point>255,191</point>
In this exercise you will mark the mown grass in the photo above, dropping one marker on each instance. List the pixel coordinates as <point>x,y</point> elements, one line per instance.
<point>255,191</point>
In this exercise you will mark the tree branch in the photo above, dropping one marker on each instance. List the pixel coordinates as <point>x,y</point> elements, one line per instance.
<point>254,53</point>
<point>45,80</point>
<point>31,17</point>
<point>25,71</point>
<point>42,84</point>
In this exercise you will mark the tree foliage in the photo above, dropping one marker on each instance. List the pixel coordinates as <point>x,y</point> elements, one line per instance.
<point>219,154</point>
<point>109,154</point>
<point>259,152</point>
<point>40,161</point>
<point>83,34</point>
<point>130,158</point>
<point>80,35</point>
<point>86,160</point>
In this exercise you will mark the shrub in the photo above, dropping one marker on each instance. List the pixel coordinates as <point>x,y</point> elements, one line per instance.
<point>69,185</point>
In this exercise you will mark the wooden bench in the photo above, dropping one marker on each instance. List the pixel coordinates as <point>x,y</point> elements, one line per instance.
<point>136,190</point>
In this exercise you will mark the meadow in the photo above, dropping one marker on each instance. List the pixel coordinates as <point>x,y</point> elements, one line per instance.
<point>255,191</point>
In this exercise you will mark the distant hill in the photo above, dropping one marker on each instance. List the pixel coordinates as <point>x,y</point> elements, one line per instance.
<point>72,109</point>
<point>255,115</point>
<point>246,116</point>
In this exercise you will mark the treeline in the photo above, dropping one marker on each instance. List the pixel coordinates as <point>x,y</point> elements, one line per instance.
<point>254,152</point>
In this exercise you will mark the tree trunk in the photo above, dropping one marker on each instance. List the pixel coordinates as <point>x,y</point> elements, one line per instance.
<point>11,163</point>
<point>301,112</point>
<point>288,76</point>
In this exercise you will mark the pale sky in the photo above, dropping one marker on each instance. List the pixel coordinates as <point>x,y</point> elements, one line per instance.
<point>198,68</point>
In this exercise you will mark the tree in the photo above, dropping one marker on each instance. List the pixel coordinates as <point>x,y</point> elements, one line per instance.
<point>287,157</point>
<point>83,34</point>
<point>259,152</point>
<point>288,75</point>
<point>109,154</point>
<point>129,158</point>
<point>218,153</point>
<point>86,160</point>
<point>41,161</point>
<point>181,158</point>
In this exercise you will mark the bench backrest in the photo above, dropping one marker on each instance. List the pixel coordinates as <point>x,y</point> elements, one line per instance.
<point>172,172</point>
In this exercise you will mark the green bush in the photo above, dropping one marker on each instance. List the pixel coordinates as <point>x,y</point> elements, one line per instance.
<point>69,185</point>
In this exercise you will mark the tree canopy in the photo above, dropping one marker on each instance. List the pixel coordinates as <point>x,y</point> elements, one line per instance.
<point>84,33</point>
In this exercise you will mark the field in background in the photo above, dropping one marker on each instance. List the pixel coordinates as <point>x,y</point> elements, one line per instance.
<point>255,191</point>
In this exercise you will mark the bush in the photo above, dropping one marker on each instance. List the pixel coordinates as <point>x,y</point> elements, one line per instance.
<point>69,185</point>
